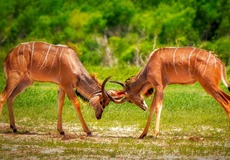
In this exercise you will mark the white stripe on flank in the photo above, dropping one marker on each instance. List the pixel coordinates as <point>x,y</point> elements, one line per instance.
<point>70,60</point>
<point>46,57</point>
<point>59,72</point>
<point>214,61</point>
<point>23,56</point>
<point>174,55</point>
<point>189,57</point>
<point>54,59</point>
<point>11,54</point>
<point>207,62</point>
<point>18,57</point>
<point>197,57</point>
<point>29,49</point>
<point>165,68</point>
<point>32,54</point>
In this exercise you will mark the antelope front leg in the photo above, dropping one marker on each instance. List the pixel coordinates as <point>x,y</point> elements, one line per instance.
<point>84,126</point>
<point>144,133</point>
<point>156,105</point>
<point>158,116</point>
<point>76,104</point>
<point>61,99</point>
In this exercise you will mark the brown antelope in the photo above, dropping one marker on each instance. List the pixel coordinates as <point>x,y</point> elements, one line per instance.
<point>38,61</point>
<point>175,66</point>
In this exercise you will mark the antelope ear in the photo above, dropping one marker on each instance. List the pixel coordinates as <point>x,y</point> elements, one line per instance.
<point>149,92</point>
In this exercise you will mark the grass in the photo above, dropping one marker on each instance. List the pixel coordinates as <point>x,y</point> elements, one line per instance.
<point>193,125</point>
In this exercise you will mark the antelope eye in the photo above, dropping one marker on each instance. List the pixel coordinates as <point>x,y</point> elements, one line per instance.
<point>101,102</point>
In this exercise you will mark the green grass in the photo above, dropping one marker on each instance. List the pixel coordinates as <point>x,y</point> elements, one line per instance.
<point>193,125</point>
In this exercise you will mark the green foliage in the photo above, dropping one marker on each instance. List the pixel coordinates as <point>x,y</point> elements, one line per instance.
<point>127,24</point>
<point>118,13</point>
<point>220,46</point>
<point>128,54</point>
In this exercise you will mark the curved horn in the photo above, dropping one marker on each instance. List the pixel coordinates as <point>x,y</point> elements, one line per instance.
<point>104,94</point>
<point>117,101</point>
<point>117,82</point>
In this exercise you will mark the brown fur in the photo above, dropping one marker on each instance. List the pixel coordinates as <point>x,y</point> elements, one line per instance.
<point>44,62</point>
<point>177,66</point>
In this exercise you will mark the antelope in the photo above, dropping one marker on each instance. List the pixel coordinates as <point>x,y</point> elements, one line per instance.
<point>59,64</point>
<point>175,66</point>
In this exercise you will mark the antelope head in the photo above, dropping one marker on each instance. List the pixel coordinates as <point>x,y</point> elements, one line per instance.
<point>133,92</point>
<point>101,99</point>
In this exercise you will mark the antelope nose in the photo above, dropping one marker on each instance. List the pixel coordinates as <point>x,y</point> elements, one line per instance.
<point>98,117</point>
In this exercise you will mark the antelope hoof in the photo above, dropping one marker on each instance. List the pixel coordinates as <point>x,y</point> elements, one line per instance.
<point>89,134</point>
<point>142,136</point>
<point>62,133</point>
<point>13,128</point>
<point>155,133</point>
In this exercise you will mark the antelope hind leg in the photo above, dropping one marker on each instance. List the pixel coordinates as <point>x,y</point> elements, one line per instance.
<point>23,84</point>
<point>2,100</point>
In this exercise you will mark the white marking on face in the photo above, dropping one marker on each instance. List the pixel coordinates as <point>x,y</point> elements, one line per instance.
<point>145,105</point>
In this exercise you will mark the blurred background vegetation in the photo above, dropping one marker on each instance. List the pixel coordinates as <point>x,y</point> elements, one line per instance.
<point>112,32</point>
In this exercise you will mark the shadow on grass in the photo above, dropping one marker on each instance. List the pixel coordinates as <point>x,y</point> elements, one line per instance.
<point>23,133</point>
<point>85,137</point>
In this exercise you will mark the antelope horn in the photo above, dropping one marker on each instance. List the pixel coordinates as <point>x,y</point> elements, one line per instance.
<point>117,82</point>
<point>104,93</point>
<point>117,101</point>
